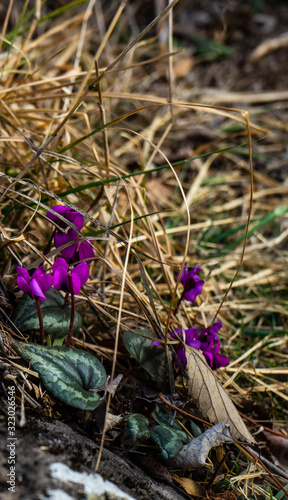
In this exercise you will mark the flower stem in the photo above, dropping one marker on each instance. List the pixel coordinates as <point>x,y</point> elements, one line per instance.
<point>70,332</point>
<point>40,321</point>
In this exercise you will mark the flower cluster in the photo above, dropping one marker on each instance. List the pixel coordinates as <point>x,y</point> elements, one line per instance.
<point>76,251</point>
<point>63,279</point>
<point>206,341</point>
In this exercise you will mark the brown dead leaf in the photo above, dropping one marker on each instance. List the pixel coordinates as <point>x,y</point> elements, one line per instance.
<point>190,486</point>
<point>210,397</point>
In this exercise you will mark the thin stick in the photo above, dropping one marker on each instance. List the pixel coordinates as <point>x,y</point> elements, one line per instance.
<point>246,118</point>
<point>103,117</point>
<point>117,334</point>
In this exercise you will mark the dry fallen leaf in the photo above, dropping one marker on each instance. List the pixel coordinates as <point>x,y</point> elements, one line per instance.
<point>210,397</point>
<point>190,486</point>
<point>193,455</point>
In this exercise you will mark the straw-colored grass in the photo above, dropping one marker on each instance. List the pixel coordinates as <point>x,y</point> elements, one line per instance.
<point>124,157</point>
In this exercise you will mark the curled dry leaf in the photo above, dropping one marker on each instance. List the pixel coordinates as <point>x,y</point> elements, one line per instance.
<point>112,421</point>
<point>193,455</point>
<point>190,486</point>
<point>210,397</point>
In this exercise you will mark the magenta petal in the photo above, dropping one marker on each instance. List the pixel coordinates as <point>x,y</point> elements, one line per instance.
<point>69,252</point>
<point>23,285</point>
<point>63,238</point>
<point>216,327</point>
<point>60,263</point>
<point>60,274</point>
<point>219,361</point>
<point>23,273</point>
<point>60,280</point>
<point>44,280</point>
<point>75,218</point>
<point>190,334</point>
<point>215,349</point>
<point>85,251</point>
<point>83,272</point>
<point>36,289</point>
<point>48,284</point>
<point>178,332</point>
<point>60,209</point>
<point>194,343</point>
<point>182,357</point>
<point>209,358</point>
<point>191,294</point>
<point>76,283</point>
<point>69,214</point>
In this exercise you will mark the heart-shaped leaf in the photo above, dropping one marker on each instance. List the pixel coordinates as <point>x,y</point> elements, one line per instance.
<point>168,440</point>
<point>136,427</point>
<point>165,416</point>
<point>56,318</point>
<point>149,356</point>
<point>71,375</point>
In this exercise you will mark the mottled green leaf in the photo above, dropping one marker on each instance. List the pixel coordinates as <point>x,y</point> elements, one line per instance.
<point>168,440</point>
<point>149,356</point>
<point>56,319</point>
<point>166,416</point>
<point>136,427</point>
<point>71,375</point>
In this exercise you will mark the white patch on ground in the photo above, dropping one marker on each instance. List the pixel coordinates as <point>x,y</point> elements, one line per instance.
<point>93,484</point>
<point>57,495</point>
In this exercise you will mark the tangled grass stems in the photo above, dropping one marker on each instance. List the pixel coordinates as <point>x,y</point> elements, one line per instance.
<point>190,205</point>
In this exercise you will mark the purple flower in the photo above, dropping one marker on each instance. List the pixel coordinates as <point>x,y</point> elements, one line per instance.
<point>69,214</point>
<point>85,251</point>
<point>191,282</point>
<point>37,284</point>
<point>76,251</point>
<point>61,238</point>
<point>210,345</point>
<point>65,280</point>
<point>206,341</point>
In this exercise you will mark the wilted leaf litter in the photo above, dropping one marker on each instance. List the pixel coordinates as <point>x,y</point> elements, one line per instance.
<point>222,67</point>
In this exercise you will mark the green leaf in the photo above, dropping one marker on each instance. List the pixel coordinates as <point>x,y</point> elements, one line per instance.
<point>149,356</point>
<point>281,495</point>
<point>168,440</point>
<point>56,319</point>
<point>210,49</point>
<point>166,416</point>
<point>136,427</point>
<point>71,375</point>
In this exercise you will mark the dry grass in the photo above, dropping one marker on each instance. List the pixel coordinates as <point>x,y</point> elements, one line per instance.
<point>108,158</point>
